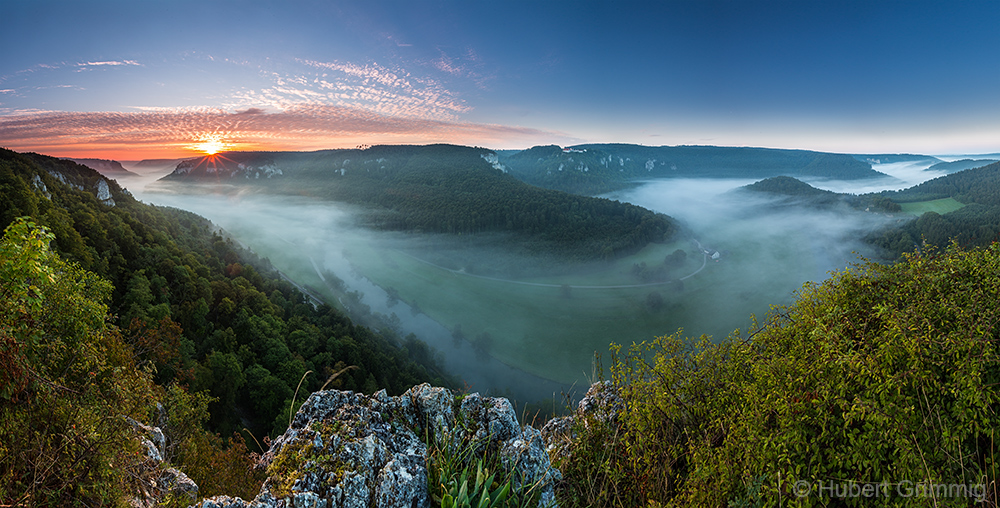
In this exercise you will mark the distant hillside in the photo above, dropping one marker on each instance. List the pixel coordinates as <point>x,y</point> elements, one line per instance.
<point>598,168</point>
<point>979,185</point>
<point>977,224</point>
<point>960,165</point>
<point>108,168</point>
<point>441,189</point>
<point>147,166</point>
<point>796,192</point>
<point>890,158</point>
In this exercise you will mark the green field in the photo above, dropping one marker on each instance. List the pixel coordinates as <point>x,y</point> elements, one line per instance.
<point>943,205</point>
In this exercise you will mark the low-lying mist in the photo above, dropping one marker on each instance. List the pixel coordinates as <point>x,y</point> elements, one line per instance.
<point>528,328</point>
<point>307,241</point>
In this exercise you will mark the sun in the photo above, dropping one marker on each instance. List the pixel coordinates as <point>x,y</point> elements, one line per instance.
<point>211,145</point>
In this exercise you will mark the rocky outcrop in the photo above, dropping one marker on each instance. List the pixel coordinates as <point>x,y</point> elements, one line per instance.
<point>345,449</point>
<point>602,404</point>
<point>104,193</point>
<point>159,481</point>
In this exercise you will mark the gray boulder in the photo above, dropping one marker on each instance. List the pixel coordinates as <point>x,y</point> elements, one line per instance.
<point>345,449</point>
<point>158,480</point>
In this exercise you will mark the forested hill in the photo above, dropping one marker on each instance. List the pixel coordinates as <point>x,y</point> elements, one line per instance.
<point>597,168</point>
<point>442,189</point>
<point>199,311</point>
<point>787,186</point>
<point>789,191</point>
<point>976,224</point>
<point>979,185</point>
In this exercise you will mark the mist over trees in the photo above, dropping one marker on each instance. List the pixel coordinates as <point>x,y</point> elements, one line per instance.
<point>976,224</point>
<point>443,189</point>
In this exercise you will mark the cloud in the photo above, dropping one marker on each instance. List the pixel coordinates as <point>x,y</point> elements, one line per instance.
<point>468,66</point>
<point>109,62</point>
<point>167,131</point>
<point>86,66</point>
<point>387,91</point>
<point>298,105</point>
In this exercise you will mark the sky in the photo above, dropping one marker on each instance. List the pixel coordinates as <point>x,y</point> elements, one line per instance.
<point>167,79</point>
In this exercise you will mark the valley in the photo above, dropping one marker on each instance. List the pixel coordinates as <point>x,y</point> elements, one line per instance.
<point>526,324</point>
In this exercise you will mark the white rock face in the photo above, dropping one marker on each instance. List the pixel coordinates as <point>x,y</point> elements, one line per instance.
<point>494,161</point>
<point>62,178</point>
<point>104,193</point>
<point>40,185</point>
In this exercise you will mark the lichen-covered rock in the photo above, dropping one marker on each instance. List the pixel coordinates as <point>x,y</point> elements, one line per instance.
<point>345,449</point>
<point>178,484</point>
<point>602,403</point>
<point>152,439</point>
<point>159,481</point>
<point>226,502</point>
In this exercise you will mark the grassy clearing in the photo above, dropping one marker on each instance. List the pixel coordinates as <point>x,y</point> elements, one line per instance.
<point>943,205</point>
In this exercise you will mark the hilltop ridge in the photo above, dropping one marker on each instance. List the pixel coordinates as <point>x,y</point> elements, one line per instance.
<point>448,189</point>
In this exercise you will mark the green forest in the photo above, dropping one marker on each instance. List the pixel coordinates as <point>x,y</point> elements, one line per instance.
<point>183,315</point>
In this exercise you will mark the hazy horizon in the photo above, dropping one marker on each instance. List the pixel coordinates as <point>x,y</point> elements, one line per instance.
<point>132,81</point>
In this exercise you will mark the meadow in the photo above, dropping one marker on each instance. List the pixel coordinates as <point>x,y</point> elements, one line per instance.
<point>942,206</point>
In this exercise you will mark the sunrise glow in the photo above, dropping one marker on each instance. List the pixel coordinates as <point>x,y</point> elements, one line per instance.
<point>211,145</point>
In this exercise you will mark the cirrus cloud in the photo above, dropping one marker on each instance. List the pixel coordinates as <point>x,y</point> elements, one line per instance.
<point>169,132</point>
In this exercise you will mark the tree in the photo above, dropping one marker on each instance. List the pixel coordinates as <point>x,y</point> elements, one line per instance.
<point>654,300</point>
<point>67,381</point>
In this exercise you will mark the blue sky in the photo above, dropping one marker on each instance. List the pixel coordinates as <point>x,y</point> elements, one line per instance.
<point>154,78</point>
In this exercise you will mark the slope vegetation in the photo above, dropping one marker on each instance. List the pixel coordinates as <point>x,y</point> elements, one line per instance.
<point>173,310</point>
<point>883,378</point>
<point>975,224</point>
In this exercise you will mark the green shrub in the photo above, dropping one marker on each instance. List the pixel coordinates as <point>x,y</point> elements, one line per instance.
<point>70,382</point>
<point>882,376</point>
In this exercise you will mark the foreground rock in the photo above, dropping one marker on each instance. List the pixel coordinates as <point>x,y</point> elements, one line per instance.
<point>345,449</point>
<point>602,405</point>
<point>158,482</point>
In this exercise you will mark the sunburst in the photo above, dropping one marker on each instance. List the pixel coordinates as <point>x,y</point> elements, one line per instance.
<point>211,144</point>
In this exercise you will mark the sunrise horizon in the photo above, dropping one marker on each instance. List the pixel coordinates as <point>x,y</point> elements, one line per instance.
<point>858,77</point>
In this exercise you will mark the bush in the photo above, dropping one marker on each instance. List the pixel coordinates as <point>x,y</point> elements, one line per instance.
<point>69,383</point>
<point>882,376</point>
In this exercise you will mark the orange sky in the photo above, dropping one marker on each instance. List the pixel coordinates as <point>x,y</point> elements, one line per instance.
<point>176,133</point>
